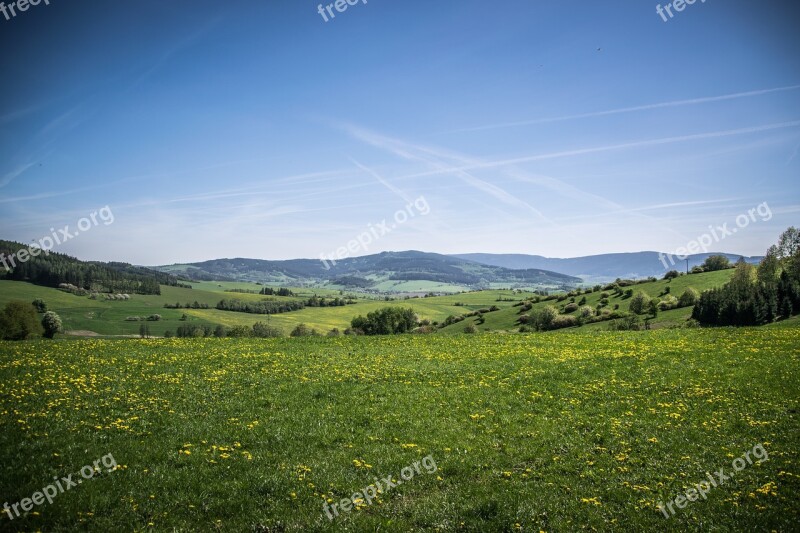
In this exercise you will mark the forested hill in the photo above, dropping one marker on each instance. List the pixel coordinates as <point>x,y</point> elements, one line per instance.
<point>399,266</point>
<point>52,269</point>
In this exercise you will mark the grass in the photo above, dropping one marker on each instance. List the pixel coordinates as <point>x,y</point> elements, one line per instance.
<point>552,432</point>
<point>108,317</point>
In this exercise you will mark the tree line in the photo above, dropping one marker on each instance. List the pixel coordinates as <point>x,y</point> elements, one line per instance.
<point>757,295</point>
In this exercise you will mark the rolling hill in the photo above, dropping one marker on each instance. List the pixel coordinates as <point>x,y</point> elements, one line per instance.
<point>373,272</point>
<point>600,268</point>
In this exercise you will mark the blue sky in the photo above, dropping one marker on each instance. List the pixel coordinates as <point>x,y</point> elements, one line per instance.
<point>257,129</point>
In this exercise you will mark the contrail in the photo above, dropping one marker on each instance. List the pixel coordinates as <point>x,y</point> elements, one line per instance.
<point>676,103</point>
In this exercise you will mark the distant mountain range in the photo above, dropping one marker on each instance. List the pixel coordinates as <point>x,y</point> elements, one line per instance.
<point>371,270</point>
<point>605,267</point>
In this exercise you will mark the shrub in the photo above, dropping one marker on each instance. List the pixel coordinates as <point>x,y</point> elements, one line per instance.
<point>582,301</point>
<point>670,302</point>
<point>672,274</point>
<point>587,312</point>
<point>239,331</point>
<point>639,303</point>
<point>470,328</point>
<point>564,321</point>
<point>301,330</point>
<point>51,323</point>
<point>220,332</point>
<point>263,331</point>
<point>334,333</point>
<point>629,323</point>
<point>571,308</point>
<point>40,305</point>
<point>542,319</point>
<point>689,297</point>
<point>154,318</point>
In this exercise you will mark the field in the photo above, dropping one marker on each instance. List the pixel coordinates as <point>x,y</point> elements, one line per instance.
<point>107,318</point>
<point>552,432</point>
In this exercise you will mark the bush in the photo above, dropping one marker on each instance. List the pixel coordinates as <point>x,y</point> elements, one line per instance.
<point>263,331</point>
<point>571,308</point>
<point>586,312</point>
<point>51,323</point>
<point>564,321</point>
<point>670,302</point>
<point>18,321</point>
<point>239,332</point>
<point>40,305</point>
<point>639,303</point>
<point>220,332</point>
<point>542,319</point>
<point>154,318</point>
<point>689,298</point>
<point>334,333</point>
<point>672,274</point>
<point>301,330</point>
<point>470,328</point>
<point>629,323</point>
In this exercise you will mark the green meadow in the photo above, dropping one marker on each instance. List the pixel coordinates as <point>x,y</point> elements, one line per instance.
<point>528,432</point>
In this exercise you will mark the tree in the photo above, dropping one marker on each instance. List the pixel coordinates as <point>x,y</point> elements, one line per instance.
<point>788,243</point>
<point>688,298</point>
<point>386,321</point>
<point>639,303</point>
<point>40,305</point>
<point>716,262</point>
<point>144,331</point>
<point>220,332</point>
<point>51,323</point>
<point>18,321</point>
<point>672,274</point>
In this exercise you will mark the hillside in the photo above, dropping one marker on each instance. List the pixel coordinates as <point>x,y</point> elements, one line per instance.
<point>52,269</point>
<point>384,272</point>
<point>108,317</point>
<point>600,268</point>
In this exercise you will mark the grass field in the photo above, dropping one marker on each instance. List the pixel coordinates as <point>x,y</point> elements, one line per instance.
<point>553,432</point>
<point>108,317</point>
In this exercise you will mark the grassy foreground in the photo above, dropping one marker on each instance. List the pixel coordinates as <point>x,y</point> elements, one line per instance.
<point>528,432</point>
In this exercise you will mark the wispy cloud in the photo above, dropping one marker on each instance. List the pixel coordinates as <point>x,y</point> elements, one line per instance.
<point>674,103</point>
<point>382,181</point>
<point>613,147</point>
<point>434,158</point>
<point>14,174</point>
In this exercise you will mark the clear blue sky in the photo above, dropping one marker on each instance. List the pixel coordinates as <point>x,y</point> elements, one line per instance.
<point>257,129</point>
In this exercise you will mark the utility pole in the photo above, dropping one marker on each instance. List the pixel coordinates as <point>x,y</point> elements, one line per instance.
<point>687,265</point>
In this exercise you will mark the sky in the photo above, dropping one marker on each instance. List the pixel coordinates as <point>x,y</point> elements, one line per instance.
<point>202,130</point>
